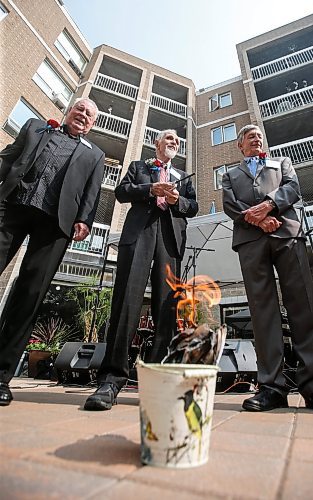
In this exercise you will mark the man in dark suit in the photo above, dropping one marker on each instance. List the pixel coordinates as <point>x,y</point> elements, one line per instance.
<point>50,184</point>
<point>259,196</point>
<point>154,231</point>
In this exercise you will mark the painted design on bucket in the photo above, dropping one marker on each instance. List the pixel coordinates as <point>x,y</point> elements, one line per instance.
<point>195,420</point>
<point>146,434</point>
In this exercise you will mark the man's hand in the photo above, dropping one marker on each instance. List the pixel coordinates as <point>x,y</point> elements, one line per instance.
<point>159,188</point>
<point>81,231</point>
<point>172,196</point>
<point>254,215</point>
<point>269,224</point>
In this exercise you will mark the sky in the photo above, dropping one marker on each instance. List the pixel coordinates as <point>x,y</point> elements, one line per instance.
<point>194,38</point>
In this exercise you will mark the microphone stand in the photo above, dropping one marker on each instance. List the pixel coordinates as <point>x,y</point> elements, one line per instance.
<point>100,286</point>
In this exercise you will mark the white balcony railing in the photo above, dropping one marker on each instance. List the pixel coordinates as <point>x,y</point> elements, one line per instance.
<point>168,105</point>
<point>111,175</point>
<point>114,125</point>
<point>299,151</point>
<point>285,63</point>
<point>70,270</point>
<point>117,87</point>
<point>94,243</point>
<point>286,102</point>
<point>151,135</point>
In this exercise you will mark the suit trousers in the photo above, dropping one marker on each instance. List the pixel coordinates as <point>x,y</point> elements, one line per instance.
<point>155,245</point>
<point>45,250</point>
<point>289,257</point>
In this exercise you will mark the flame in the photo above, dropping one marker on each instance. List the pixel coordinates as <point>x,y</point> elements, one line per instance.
<point>200,289</point>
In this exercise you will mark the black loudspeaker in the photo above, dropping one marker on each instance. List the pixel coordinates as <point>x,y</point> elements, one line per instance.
<point>78,362</point>
<point>238,367</point>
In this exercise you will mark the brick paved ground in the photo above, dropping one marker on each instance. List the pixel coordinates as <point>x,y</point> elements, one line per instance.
<point>51,448</point>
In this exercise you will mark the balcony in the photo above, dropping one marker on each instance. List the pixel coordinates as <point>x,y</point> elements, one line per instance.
<point>168,105</point>
<point>299,151</point>
<point>112,125</point>
<point>283,64</point>
<point>116,87</point>
<point>151,135</point>
<point>94,243</point>
<point>111,175</point>
<point>286,102</point>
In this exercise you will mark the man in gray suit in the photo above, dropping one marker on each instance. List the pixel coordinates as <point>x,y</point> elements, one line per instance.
<point>50,180</point>
<point>259,196</point>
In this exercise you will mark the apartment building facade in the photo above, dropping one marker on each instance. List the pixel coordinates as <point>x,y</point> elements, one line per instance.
<point>136,99</point>
<point>43,57</point>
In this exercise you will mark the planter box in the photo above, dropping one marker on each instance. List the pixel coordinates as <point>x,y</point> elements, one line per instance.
<point>37,364</point>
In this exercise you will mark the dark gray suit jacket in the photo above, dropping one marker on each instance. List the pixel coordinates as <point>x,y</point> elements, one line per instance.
<point>276,180</point>
<point>135,189</point>
<point>82,182</point>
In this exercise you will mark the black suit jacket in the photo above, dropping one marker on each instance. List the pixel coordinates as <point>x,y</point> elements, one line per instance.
<point>135,189</point>
<point>82,182</point>
<point>276,180</point>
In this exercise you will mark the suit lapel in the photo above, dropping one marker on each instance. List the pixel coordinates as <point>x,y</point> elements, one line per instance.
<point>154,174</point>
<point>244,167</point>
<point>80,148</point>
<point>43,142</point>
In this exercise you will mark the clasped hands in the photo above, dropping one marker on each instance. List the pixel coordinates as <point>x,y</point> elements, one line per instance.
<point>81,231</point>
<point>167,190</point>
<point>258,216</point>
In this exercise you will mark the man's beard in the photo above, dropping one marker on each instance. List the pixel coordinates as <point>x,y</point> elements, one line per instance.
<point>170,153</point>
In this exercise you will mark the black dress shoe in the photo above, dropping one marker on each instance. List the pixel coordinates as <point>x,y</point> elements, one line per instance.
<point>103,399</point>
<point>265,400</point>
<point>309,402</point>
<point>5,394</point>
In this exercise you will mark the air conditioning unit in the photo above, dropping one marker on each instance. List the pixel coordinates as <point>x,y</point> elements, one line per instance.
<point>59,100</point>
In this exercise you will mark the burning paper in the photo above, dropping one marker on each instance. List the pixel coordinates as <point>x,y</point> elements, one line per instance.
<point>196,344</point>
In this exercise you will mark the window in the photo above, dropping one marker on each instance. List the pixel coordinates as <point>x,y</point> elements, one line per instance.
<point>225,133</point>
<point>213,102</point>
<point>19,115</point>
<point>71,52</point>
<point>218,174</point>
<point>220,101</point>
<point>225,100</point>
<point>3,12</point>
<point>53,85</point>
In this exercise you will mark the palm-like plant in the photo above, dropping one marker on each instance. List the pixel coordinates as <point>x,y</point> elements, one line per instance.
<point>51,334</point>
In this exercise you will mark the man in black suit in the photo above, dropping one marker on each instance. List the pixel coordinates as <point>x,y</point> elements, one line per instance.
<point>154,231</point>
<point>50,184</point>
<point>259,196</point>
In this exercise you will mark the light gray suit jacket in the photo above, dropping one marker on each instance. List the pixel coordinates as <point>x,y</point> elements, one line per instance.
<point>276,180</point>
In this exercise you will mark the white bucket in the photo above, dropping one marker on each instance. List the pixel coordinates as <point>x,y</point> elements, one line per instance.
<point>176,408</point>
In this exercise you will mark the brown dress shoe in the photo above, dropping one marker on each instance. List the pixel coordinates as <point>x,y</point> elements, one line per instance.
<point>5,394</point>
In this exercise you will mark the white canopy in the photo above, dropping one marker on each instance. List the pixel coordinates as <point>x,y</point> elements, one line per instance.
<point>211,235</point>
<point>208,232</point>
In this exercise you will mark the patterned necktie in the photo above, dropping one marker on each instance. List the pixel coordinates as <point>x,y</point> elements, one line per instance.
<point>161,203</point>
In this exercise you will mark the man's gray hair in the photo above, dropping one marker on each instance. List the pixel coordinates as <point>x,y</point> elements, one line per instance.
<point>242,132</point>
<point>88,100</point>
<point>162,133</point>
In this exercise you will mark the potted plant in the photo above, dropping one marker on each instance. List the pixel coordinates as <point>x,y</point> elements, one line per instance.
<point>47,339</point>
